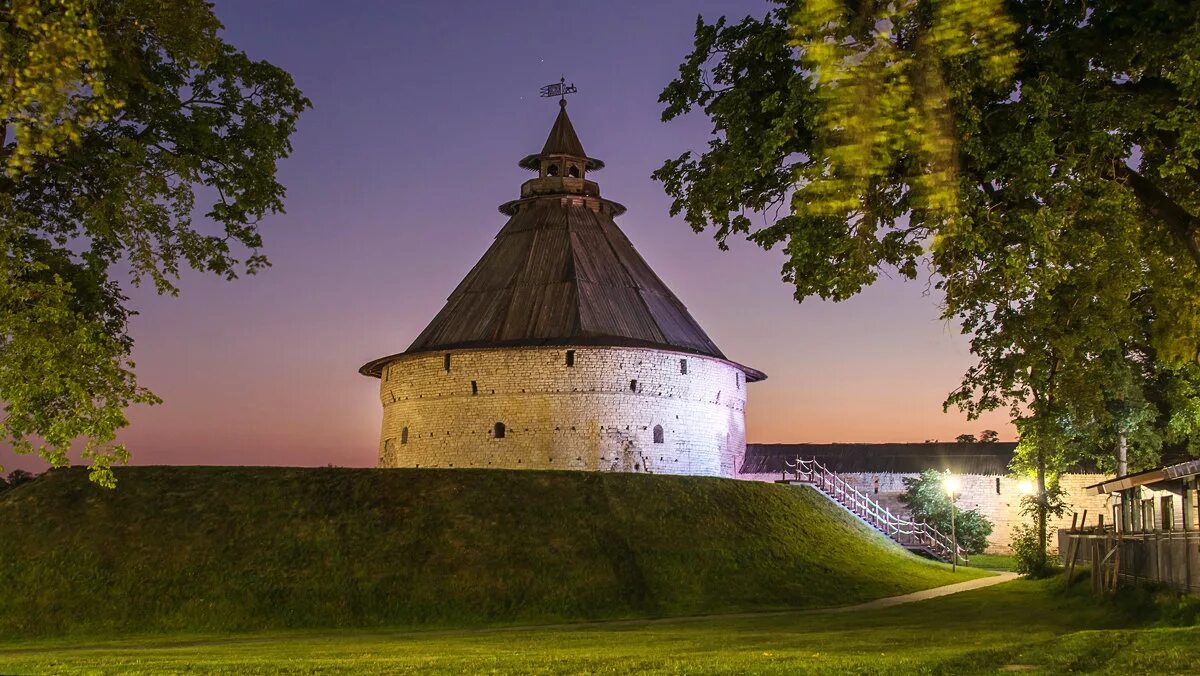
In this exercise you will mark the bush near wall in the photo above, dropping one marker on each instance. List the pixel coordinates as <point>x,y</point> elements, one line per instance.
<point>927,500</point>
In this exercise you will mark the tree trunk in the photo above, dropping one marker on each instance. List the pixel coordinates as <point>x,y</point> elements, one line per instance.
<point>1041,504</point>
<point>1122,455</point>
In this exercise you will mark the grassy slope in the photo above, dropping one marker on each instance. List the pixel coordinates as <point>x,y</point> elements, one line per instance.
<point>1019,626</point>
<point>235,549</point>
<point>994,561</point>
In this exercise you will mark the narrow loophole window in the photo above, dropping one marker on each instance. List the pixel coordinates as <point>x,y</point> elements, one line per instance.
<point>446,362</point>
<point>474,388</point>
<point>658,434</point>
<point>997,485</point>
<point>683,366</point>
<point>404,436</point>
<point>633,386</point>
<point>570,357</point>
<point>876,486</point>
<point>498,432</point>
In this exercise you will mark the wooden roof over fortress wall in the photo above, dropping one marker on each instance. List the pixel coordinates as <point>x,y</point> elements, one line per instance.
<point>900,458</point>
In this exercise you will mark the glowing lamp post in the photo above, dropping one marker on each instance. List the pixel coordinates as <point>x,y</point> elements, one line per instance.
<point>952,486</point>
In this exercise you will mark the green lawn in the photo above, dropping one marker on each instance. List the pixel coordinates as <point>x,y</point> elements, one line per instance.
<point>994,562</point>
<point>1019,625</point>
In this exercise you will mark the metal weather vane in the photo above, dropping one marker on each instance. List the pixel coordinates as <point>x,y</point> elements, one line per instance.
<point>559,89</point>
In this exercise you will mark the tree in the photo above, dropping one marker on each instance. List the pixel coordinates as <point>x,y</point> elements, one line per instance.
<point>18,477</point>
<point>117,115</point>
<point>1040,160</point>
<point>964,439</point>
<point>926,499</point>
<point>989,437</point>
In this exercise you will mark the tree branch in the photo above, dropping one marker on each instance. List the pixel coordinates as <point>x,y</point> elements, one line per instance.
<point>1182,224</point>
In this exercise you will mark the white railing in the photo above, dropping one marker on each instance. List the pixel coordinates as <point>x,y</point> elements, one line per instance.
<point>904,531</point>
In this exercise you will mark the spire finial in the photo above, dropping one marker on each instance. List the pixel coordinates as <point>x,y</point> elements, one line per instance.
<point>559,89</point>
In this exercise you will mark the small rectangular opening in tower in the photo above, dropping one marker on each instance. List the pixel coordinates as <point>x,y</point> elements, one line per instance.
<point>474,388</point>
<point>570,357</point>
<point>446,362</point>
<point>683,366</point>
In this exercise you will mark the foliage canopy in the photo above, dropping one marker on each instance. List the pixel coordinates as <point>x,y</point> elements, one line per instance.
<point>118,115</point>
<point>1041,159</point>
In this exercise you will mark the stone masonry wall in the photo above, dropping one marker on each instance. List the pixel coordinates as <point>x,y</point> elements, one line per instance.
<point>599,414</point>
<point>1002,507</point>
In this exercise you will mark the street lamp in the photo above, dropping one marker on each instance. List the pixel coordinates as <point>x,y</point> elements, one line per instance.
<point>952,485</point>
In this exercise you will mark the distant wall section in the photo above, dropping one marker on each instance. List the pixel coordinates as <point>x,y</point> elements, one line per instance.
<point>578,408</point>
<point>996,497</point>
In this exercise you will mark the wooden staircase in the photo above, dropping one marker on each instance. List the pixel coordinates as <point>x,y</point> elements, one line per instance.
<point>913,536</point>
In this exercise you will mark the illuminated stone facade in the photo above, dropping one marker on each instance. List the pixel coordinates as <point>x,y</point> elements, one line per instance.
<point>579,408</point>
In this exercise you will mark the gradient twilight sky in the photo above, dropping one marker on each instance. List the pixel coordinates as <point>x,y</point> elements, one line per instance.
<point>421,111</point>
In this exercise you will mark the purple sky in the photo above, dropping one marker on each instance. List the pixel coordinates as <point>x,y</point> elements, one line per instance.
<point>421,111</point>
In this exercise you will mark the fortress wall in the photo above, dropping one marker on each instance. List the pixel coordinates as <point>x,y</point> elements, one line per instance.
<point>599,414</point>
<point>979,491</point>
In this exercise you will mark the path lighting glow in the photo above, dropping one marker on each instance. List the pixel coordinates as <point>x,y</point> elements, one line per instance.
<point>952,484</point>
<point>1026,487</point>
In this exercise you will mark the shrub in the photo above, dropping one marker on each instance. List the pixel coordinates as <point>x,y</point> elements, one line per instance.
<point>926,499</point>
<point>1027,551</point>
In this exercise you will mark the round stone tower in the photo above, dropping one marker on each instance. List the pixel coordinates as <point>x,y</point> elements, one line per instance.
<point>561,349</point>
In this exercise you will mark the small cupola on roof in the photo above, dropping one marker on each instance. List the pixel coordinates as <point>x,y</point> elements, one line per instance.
<point>563,154</point>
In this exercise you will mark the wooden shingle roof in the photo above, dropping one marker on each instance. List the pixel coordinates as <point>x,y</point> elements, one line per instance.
<point>560,272</point>
<point>562,139</point>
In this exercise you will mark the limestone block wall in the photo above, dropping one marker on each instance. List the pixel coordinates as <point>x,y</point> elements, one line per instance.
<point>997,497</point>
<point>579,408</point>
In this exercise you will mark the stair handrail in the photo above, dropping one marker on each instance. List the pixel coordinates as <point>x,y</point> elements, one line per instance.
<point>904,531</point>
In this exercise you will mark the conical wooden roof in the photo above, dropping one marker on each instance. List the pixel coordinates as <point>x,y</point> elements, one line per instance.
<point>560,272</point>
<point>562,139</point>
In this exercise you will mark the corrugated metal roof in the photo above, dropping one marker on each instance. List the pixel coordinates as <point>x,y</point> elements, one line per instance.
<point>1159,477</point>
<point>560,272</point>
